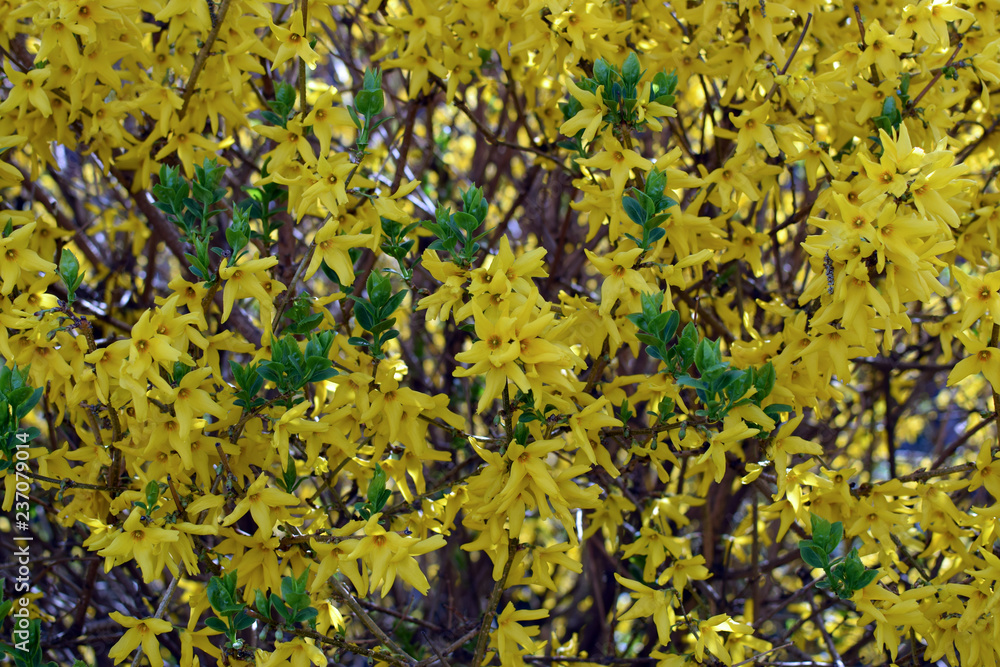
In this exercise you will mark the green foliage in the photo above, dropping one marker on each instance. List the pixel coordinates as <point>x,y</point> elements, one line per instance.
<point>231,615</point>
<point>290,369</point>
<point>69,273</point>
<point>265,203</point>
<point>17,399</point>
<point>249,382</point>
<point>152,496</point>
<point>292,607</point>
<point>844,575</point>
<point>456,232</point>
<point>282,106</point>
<point>368,103</point>
<point>378,495</point>
<point>718,387</point>
<point>374,313</point>
<point>238,234</point>
<point>619,91</point>
<point>889,120</point>
<point>289,480</point>
<point>396,245</point>
<point>648,209</point>
<point>33,656</point>
<point>194,214</point>
<point>301,319</point>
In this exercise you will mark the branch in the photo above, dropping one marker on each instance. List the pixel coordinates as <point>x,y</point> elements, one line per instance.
<point>368,622</point>
<point>491,606</point>
<point>199,63</point>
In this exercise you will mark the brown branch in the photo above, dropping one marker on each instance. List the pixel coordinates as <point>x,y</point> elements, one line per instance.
<point>494,601</point>
<point>202,58</point>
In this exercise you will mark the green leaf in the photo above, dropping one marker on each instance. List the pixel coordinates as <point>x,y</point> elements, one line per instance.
<point>813,556</point>
<point>705,356</point>
<point>631,71</point>
<point>242,621</point>
<point>634,210</point>
<point>260,601</point>
<point>601,72</point>
<point>836,535</point>
<point>868,577</point>
<point>216,624</point>
<point>820,530</point>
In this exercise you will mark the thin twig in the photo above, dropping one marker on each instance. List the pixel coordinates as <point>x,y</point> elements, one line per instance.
<point>494,601</point>
<point>164,601</point>
<point>368,622</point>
<point>199,63</point>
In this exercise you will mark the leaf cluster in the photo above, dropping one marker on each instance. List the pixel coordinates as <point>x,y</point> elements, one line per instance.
<point>719,387</point>
<point>648,209</point>
<point>290,369</point>
<point>374,313</point>
<point>17,399</point>
<point>620,91</point>
<point>70,274</point>
<point>193,214</point>
<point>282,107</point>
<point>396,244</point>
<point>844,575</point>
<point>292,607</point>
<point>33,656</point>
<point>378,495</point>
<point>265,203</point>
<point>301,318</point>
<point>456,232</point>
<point>231,613</point>
<point>368,104</point>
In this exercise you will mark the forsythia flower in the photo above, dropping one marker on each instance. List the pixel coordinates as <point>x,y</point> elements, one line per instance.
<point>141,631</point>
<point>388,554</point>
<point>139,541</point>
<point>243,280</point>
<point>16,257</point>
<point>261,502</point>
<point>510,633</point>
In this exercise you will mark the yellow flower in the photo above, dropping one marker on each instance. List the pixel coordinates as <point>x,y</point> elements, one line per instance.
<point>325,118</point>
<point>16,257</point>
<point>294,43</point>
<point>333,248</point>
<point>683,570</point>
<point>140,631</point>
<point>297,653</point>
<point>330,188</point>
<point>982,296</point>
<point>982,359</point>
<point>708,636</point>
<point>148,346</point>
<point>619,161</point>
<point>620,279</point>
<point>590,116</point>
<point>510,633</point>
<point>753,130</point>
<point>244,280</point>
<point>495,353</point>
<point>882,49</point>
<point>289,141</point>
<point>388,554</point>
<point>261,502</point>
<point>27,92</point>
<point>190,401</point>
<point>650,602</point>
<point>140,542</point>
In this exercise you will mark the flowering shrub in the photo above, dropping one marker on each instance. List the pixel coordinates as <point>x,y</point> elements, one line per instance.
<point>507,332</point>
